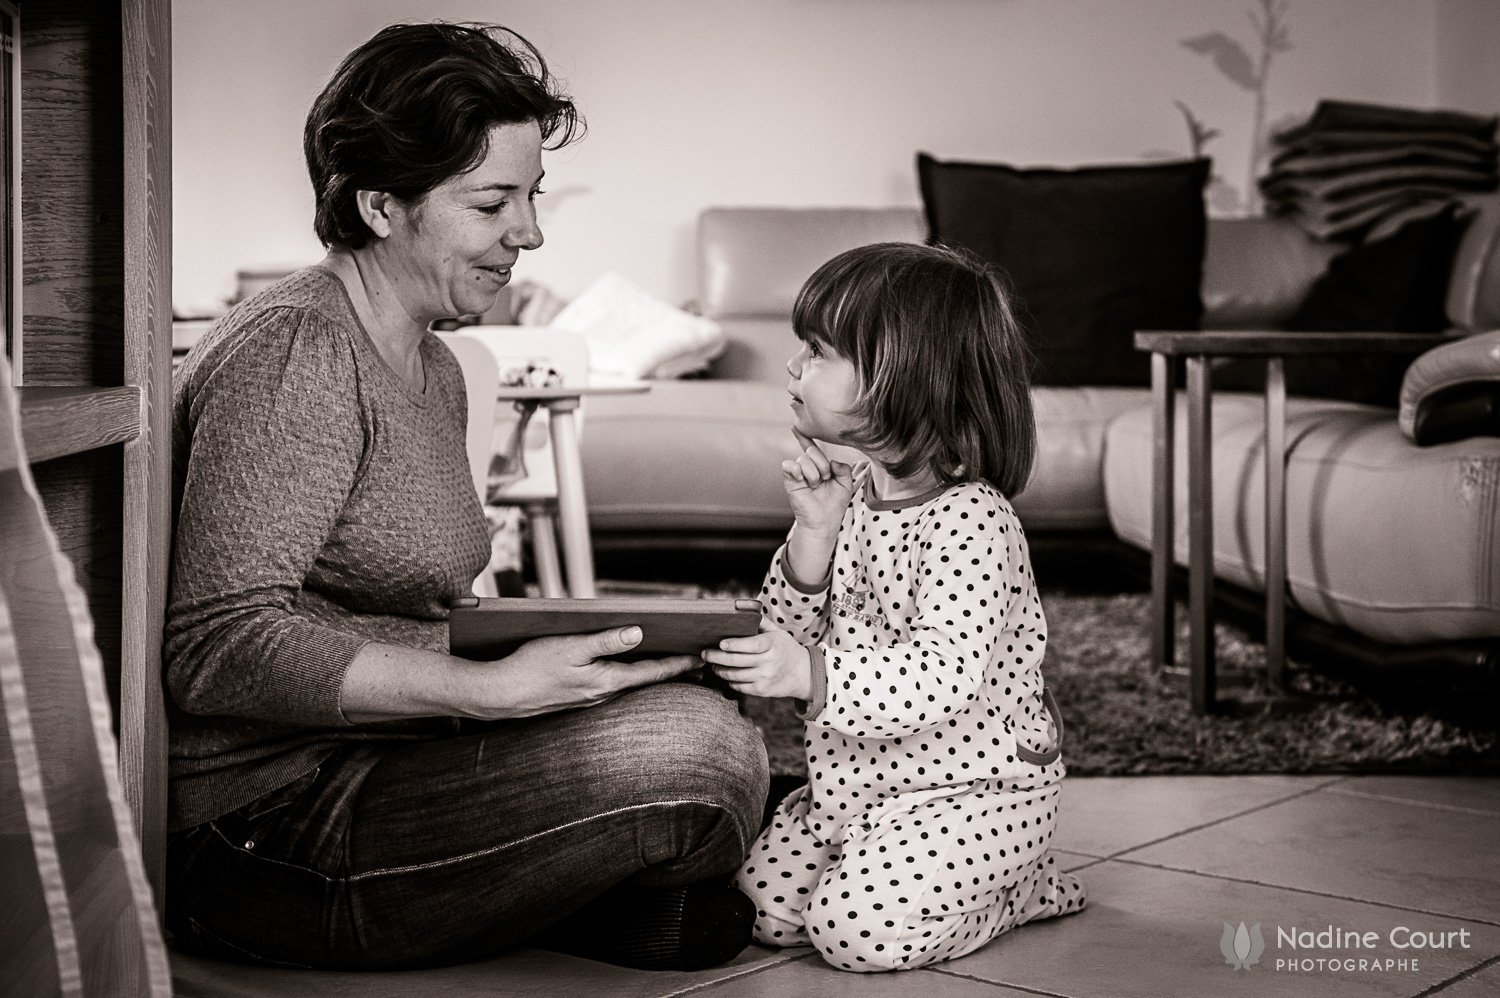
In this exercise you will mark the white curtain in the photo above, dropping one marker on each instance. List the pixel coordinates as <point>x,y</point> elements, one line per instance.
<point>76,916</point>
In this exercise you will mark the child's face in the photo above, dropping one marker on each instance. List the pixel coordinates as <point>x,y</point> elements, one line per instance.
<point>824,387</point>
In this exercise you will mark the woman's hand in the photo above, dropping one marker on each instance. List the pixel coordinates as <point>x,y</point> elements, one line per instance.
<point>385,682</point>
<point>573,670</point>
<point>768,664</point>
<point>818,487</point>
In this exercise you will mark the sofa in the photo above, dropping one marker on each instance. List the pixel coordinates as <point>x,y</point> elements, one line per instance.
<point>1392,557</point>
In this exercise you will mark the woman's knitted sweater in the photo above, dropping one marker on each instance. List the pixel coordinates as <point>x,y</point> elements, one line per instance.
<point>320,503</point>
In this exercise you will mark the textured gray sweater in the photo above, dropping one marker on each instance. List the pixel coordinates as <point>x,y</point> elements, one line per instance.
<point>320,503</point>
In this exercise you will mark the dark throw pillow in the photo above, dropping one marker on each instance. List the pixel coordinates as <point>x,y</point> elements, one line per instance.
<point>1092,254</point>
<point>1394,284</point>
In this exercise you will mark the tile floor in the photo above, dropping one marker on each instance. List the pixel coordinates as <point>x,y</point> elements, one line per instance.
<point>1168,861</point>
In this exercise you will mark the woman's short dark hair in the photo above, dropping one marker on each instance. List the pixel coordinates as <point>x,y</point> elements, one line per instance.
<point>413,106</point>
<point>943,367</point>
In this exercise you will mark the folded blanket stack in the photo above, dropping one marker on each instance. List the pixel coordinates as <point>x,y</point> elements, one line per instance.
<point>1360,171</point>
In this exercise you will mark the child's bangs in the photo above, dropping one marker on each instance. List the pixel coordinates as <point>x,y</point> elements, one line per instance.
<point>828,308</point>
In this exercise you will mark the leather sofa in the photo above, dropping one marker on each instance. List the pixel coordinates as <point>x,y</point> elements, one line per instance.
<point>1392,555</point>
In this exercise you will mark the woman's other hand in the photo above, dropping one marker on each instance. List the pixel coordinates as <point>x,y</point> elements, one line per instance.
<point>768,664</point>
<point>387,682</point>
<point>574,670</point>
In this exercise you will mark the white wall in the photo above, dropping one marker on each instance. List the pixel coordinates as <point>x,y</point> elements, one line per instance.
<point>1466,61</point>
<point>699,102</point>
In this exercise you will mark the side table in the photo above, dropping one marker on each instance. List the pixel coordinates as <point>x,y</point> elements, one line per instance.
<point>1197,348</point>
<point>562,404</point>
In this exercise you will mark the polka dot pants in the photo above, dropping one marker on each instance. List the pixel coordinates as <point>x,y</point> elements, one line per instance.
<point>928,883</point>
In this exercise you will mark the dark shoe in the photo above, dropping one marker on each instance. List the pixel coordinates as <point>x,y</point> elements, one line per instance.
<point>674,928</point>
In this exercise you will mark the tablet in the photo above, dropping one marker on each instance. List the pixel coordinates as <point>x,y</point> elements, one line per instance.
<point>490,628</point>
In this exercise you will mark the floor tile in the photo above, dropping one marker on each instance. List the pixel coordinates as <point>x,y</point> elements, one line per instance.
<point>1149,932</point>
<point>1104,815</point>
<point>812,978</point>
<point>1410,855</point>
<point>1484,984</point>
<point>1072,860</point>
<point>1473,793</point>
<point>524,974</point>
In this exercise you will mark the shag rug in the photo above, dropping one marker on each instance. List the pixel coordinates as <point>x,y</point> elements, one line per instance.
<point>1123,717</point>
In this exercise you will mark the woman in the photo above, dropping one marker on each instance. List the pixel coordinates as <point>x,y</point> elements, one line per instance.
<point>343,792</point>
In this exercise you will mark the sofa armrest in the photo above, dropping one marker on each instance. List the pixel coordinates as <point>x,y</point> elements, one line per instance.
<point>1452,391</point>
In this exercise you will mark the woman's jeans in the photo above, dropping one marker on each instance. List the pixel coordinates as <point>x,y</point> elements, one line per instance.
<point>409,853</point>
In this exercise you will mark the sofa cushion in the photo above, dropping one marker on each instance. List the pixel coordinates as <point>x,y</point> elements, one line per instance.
<point>1394,541</point>
<point>705,456</point>
<point>752,261</point>
<point>1397,283</point>
<point>1394,284</point>
<point>1257,271</point>
<point>1093,254</point>
<point>1066,491</point>
<point>688,456</point>
<point>1453,391</point>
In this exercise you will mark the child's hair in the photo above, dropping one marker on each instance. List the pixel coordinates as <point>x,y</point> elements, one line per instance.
<point>943,367</point>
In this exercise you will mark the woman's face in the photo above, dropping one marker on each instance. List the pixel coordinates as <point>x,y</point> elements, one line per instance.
<point>451,252</point>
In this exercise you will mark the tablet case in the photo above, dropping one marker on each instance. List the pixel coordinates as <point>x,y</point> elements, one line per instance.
<point>491,628</point>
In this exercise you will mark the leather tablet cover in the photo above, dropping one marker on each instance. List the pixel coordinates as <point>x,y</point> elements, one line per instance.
<point>492,628</point>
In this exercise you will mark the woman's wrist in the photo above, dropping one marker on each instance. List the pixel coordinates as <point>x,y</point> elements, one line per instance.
<point>390,682</point>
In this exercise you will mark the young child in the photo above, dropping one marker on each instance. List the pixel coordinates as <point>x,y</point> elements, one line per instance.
<point>903,611</point>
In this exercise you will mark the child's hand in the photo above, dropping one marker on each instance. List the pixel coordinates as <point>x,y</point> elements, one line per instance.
<point>818,487</point>
<point>768,664</point>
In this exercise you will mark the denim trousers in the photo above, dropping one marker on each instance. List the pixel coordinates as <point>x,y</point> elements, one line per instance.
<point>402,854</point>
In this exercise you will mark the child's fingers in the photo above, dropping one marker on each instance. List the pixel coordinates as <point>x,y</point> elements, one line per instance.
<point>811,473</point>
<point>820,461</point>
<point>736,681</point>
<point>803,440</point>
<point>753,644</point>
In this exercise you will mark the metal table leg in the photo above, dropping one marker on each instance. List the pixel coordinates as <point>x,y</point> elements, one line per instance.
<point>1163,628</point>
<point>1200,536</point>
<point>1275,523</point>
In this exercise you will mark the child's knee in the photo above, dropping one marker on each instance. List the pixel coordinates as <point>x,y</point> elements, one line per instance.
<point>860,936</point>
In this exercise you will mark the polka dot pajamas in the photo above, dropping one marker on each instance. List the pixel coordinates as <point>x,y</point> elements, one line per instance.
<point>933,764</point>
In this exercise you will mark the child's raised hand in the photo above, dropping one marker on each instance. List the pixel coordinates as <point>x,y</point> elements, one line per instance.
<point>768,664</point>
<point>818,487</point>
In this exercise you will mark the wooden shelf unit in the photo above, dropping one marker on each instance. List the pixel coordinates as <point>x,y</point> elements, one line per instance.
<point>96,190</point>
<point>57,422</point>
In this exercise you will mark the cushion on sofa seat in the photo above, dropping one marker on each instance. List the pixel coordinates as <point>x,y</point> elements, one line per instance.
<point>1066,491</point>
<point>1093,254</point>
<point>704,456</point>
<point>1394,541</point>
<point>688,456</point>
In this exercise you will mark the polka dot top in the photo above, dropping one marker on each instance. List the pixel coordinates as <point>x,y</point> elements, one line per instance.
<point>927,647</point>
